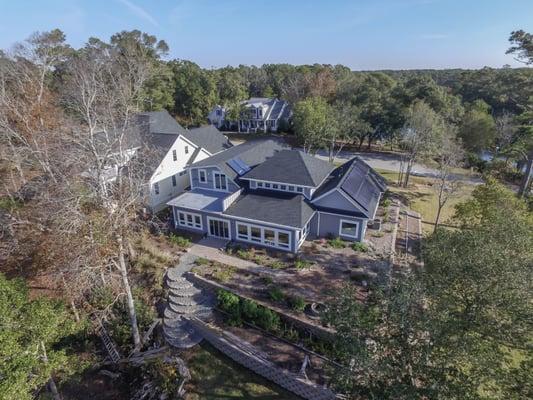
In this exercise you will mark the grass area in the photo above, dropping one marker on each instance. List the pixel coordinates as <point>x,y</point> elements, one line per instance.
<point>216,377</point>
<point>422,198</point>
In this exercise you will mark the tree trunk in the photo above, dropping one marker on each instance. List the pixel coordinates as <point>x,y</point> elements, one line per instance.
<point>51,383</point>
<point>129,297</point>
<point>438,217</point>
<point>361,141</point>
<point>407,173</point>
<point>526,180</point>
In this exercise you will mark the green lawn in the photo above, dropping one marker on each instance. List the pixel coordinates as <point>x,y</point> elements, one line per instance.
<point>422,198</point>
<point>216,377</point>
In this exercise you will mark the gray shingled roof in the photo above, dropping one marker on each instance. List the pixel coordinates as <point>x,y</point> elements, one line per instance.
<point>282,209</point>
<point>357,180</point>
<point>208,137</point>
<point>161,122</point>
<point>252,153</point>
<point>292,166</point>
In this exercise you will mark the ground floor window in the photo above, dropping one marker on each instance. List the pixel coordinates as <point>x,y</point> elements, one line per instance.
<point>266,236</point>
<point>349,229</point>
<point>189,220</point>
<point>219,228</point>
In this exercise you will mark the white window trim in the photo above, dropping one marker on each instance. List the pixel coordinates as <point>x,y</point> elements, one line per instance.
<point>270,185</point>
<point>209,219</point>
<point>185,223</point>
<point>279,183</point>
<point>200,176</point>
<point>356,223</point>
<point>262,240</point>
<point>215,180</point>
<point>174,155</point>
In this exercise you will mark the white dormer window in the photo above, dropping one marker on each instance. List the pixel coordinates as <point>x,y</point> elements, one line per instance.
<point>260,111</point>
<point>186,149</point>
<point>174,155</point>
<point>202,176</point>
<point>219,181</point>
<point>156,188</point>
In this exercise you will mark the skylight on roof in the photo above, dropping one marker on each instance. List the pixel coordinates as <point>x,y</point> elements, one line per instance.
<point>238,166</point>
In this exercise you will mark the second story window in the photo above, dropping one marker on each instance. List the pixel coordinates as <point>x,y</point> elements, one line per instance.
<point>173,180</point>
<point>299,189</point>
<point>220,181</point>
<point>156,188</point>
<point>202,176</point>
<point>174,155</point>
<point>186,149</point>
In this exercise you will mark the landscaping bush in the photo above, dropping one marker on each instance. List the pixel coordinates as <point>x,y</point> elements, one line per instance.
<point>250,309</point>
<point>230,303</point>
<point>386,202</point>
<point>277,265</point>
<point>361,247</point>
<point>276,294</point>
<point>267,319</point>
<point>267,280</point>
<point>297,303</point>
<point>179,241</point>
<point>301,264</point>
<point>378,234</point>
<point>145,262</point>
<point>201,261</point>
<point>336,243</point>
<point>244,254</point>
<point>223,273</point>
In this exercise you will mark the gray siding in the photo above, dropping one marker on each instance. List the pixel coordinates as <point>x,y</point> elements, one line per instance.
<point>232,187</point>
<point>233,227</point>
<point>336,201</point>
<point>329,226</point>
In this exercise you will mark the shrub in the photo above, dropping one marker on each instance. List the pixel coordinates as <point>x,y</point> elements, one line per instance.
<point>223,273</point>
<point>267,319</point>
<point>277,265</point>
<point>179,241</point>
<point>361,247</point>
<point>297,303</point>
<point>276,294</point>
<point>244,254</point>
<point>386,202</point>
<point>336,243</point>
<point>301,264</point>
<point>201,261</point>
<point>230,303</point>
<point>144,262</point>
<point>378,234</point>
<point>267,280</point>
<point>250,309</point>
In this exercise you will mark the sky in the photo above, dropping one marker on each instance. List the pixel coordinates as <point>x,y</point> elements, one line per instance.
<point>361,34</point>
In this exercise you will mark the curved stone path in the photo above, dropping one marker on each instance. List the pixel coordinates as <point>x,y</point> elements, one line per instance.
<point>184,301</point>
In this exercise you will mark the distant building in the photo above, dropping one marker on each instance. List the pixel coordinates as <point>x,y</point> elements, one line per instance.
<point>259,115</point>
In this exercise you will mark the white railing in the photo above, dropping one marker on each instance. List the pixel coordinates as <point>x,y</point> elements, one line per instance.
<point>228,201</point>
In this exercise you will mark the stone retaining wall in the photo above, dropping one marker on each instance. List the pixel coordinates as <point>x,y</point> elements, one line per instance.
<point>315,329</point>
<point>247,355</point>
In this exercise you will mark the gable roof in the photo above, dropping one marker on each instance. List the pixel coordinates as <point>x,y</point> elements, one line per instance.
<point>251,153</point>
<point>208,137</point>
<point>359,182</point>
<point>292,166</point>
<point>276,208</point>
<point>161,122</point>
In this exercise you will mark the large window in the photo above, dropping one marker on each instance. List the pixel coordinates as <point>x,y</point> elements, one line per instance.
<point>189,220</point>
<point>220,182</point>
<point>202,175</point>
<point>266,236</point>
<point>349,229</point>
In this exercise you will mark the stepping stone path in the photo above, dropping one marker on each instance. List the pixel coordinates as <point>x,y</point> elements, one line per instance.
<point>184,301</point>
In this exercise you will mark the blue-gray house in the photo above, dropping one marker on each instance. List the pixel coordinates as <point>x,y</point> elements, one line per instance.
<point>266,194</point>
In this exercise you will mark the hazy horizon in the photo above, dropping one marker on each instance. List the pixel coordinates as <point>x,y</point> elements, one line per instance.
<point>363,35</point>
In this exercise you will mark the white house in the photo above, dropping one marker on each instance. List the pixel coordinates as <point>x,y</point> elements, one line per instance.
<point>171,149</point>
<point>179,148</point>
<point>260,114</point>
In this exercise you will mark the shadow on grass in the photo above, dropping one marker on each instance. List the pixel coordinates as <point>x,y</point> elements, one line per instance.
<point>217,377</point>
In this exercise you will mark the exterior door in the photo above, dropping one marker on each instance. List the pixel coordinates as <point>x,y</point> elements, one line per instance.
<point>219,228</point>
